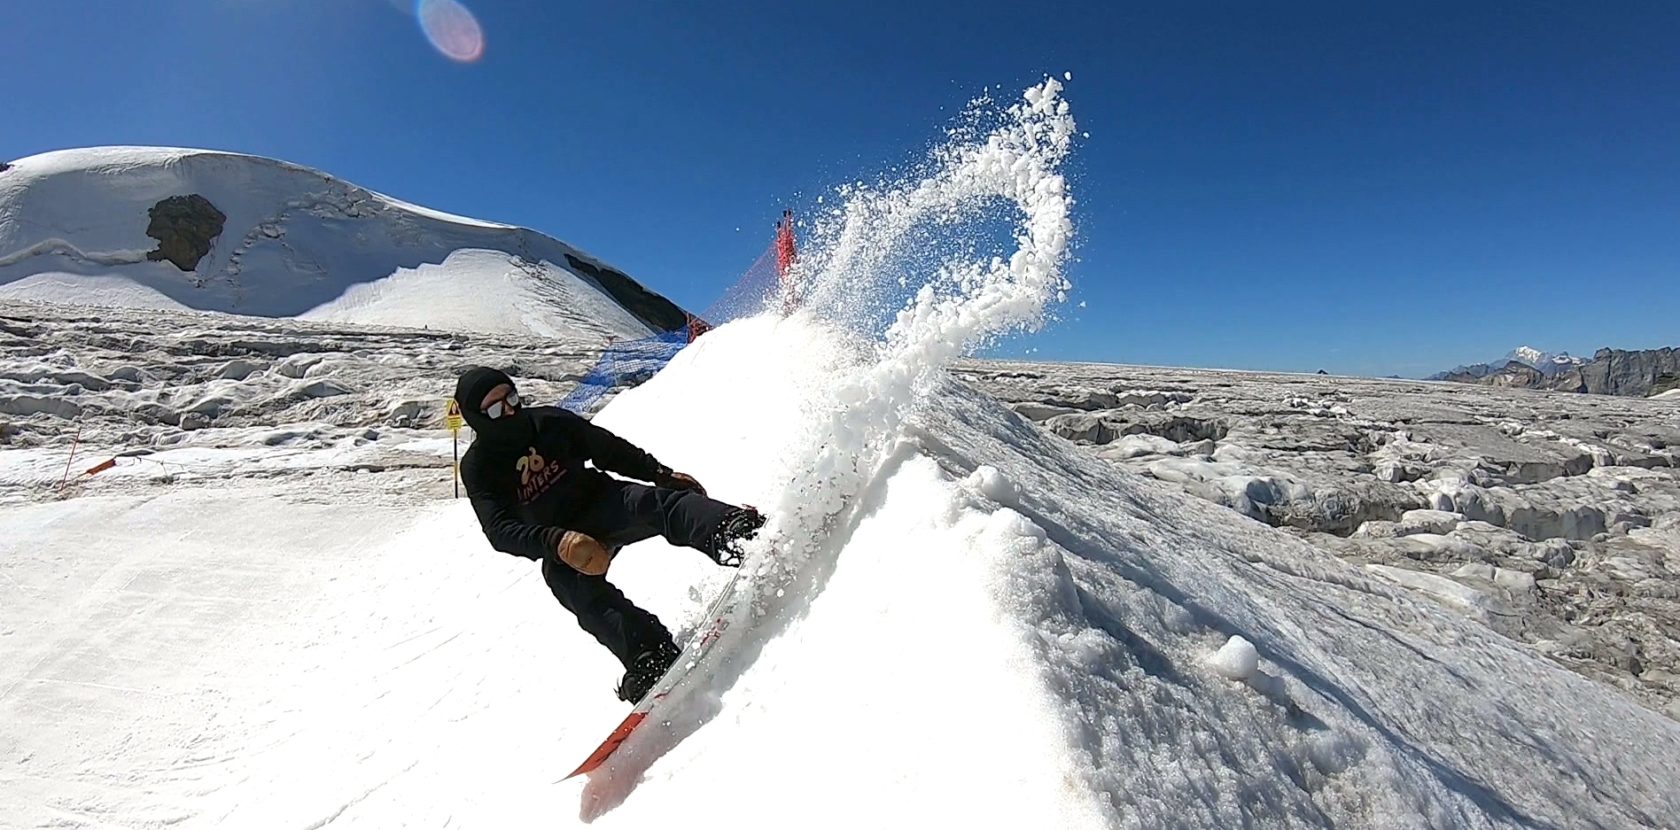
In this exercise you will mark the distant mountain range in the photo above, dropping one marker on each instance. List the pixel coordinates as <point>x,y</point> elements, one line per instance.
<point>1637,374</point>
<point>1548,364</point>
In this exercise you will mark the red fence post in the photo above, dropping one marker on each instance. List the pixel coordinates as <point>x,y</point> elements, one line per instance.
<point>785,248</point>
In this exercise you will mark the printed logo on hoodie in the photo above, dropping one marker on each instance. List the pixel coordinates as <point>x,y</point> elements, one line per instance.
<point>536,475</point>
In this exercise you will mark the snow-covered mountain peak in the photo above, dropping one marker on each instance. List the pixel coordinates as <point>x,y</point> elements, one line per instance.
<point>1549,363</point>
<point>181,228</point>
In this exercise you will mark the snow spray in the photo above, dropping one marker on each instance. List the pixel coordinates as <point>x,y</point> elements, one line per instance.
<point>911,273</point>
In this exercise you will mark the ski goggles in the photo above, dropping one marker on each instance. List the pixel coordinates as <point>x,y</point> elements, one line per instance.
<point>503,406</point>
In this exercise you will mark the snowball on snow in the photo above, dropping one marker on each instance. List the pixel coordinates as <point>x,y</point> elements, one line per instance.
<point>994,485</point>
<point>1236,660</point>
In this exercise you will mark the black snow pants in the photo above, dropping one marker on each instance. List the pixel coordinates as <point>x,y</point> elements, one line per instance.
<point>624,513</point>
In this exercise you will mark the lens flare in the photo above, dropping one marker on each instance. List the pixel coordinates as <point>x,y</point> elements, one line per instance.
<point>452,29</point>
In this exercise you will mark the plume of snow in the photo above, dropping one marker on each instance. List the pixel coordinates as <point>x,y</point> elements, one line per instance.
<point>855,414</point>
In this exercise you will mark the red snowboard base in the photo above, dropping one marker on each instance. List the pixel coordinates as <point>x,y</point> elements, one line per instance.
<point>699,645</point>
<point>610,745</point>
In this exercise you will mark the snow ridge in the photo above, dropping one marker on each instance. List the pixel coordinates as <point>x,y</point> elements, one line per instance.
<point>67,248</point>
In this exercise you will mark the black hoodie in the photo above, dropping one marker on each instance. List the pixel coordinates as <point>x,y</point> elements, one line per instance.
<point>525,472</point>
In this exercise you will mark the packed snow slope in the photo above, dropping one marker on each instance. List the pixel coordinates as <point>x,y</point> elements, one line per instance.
<point>1005,630</point>
<point>1000,630</point>
<point>92,225</point>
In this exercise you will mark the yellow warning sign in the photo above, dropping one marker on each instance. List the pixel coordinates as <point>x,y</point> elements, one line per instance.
<point>453,416</point>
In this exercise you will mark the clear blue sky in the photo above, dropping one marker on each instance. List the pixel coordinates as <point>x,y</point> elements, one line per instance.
<point>1371,188</point>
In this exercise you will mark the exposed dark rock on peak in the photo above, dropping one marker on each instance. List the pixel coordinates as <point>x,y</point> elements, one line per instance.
<point>185,227</point>
<point>661,314</point>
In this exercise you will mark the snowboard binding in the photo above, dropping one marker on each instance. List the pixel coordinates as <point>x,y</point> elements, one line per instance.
<point>724,546</point>
<point>645,671</point>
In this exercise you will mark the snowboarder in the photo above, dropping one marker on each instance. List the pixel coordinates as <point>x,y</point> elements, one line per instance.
<point>534,497</point>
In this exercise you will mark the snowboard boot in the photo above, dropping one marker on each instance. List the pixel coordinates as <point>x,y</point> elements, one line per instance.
<point>724,546</point>
<point>645,671</point>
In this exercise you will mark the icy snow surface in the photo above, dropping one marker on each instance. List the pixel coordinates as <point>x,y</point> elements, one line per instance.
<point>966,621</point>
<point>1568,505</point>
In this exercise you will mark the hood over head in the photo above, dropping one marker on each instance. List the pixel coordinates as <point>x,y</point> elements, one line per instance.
<point>470,389</point>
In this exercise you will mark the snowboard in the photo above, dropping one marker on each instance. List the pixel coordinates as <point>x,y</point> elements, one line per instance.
<point>669,689</point>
